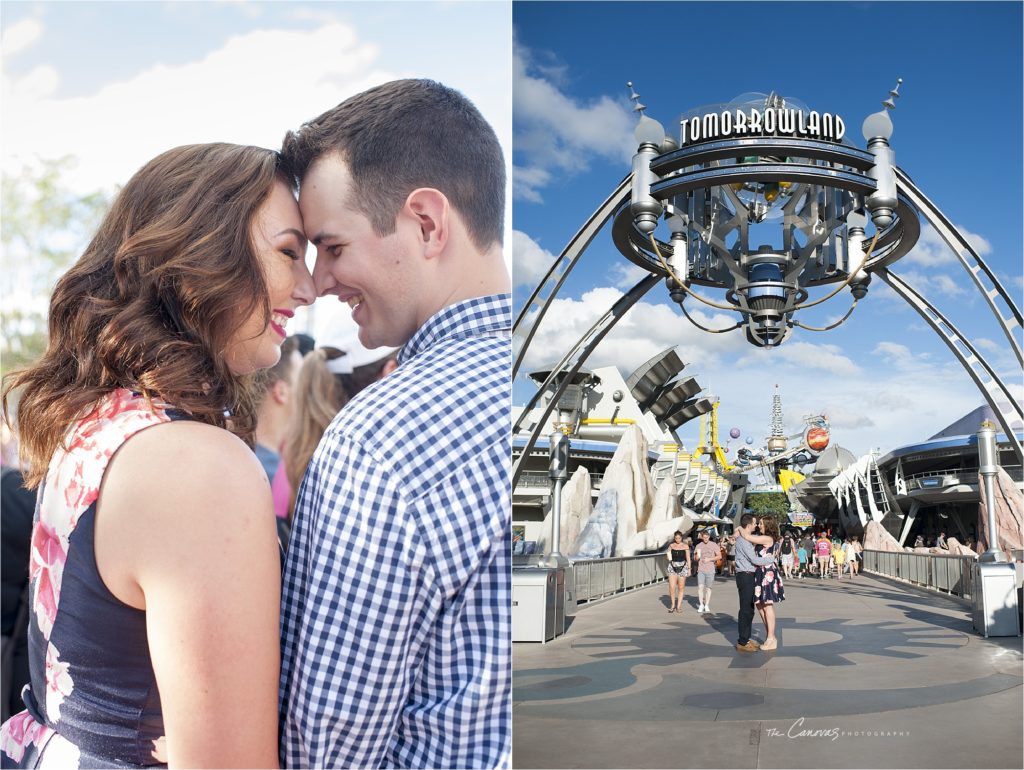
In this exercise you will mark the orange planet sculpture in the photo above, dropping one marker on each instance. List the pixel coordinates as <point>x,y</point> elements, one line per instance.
<point>817,438</point>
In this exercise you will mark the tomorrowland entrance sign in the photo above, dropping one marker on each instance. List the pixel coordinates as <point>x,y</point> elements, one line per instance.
<point>773,121</point>
<point>764,200</point>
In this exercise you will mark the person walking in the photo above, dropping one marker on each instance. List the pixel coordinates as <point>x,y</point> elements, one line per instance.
<point>730,554</point>
<point>707,554</point>
<point>678,555</point>
<point>788,552</point>
<point>851,555</point>
<point>839,557</point>
<point>746,563</point>
<point>822,553</point>
<point>801,554</point>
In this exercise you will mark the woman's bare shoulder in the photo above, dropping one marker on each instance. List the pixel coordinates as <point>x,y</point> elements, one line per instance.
<point>185,475</point>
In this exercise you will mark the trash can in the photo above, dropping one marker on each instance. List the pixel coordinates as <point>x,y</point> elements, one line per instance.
<point>995,610</point>
<point>538,604</point>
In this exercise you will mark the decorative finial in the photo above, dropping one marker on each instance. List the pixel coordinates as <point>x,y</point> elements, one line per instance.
<point>635,97</point>
<point>894,94</point>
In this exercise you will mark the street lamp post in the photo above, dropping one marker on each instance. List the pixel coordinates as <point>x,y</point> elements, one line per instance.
<point>988,467</point>
<point>558,472</point>
<point>994,593</point>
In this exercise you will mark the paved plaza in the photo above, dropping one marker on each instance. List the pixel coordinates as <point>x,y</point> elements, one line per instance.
<point>869,674</point>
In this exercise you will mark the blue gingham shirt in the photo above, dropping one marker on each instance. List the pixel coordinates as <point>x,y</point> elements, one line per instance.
<point>395,625</point>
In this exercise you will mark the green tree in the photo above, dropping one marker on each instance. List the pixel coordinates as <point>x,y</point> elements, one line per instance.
<point>45,227</point>
<point>769,504</point>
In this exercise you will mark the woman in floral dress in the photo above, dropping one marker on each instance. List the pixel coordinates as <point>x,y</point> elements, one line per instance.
<point>768,588</point>
<point>155,574</point>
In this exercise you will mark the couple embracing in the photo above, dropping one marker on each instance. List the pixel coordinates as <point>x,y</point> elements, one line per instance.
<point>161,630</point>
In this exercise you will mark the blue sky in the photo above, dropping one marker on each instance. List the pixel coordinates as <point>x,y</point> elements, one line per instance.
<point>115,83</point>
<point>883,378</point>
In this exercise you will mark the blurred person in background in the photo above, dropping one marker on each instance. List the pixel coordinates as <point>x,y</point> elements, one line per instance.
<point>17,505</point>
<point>304,344</point>
<point>319,396</point>
<point>328,377</point>
<point>273,388</point>
<point>275,394</point>
<point>137,425</point>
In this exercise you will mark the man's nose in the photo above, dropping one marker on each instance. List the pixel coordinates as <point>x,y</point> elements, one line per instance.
<point>323,281</point>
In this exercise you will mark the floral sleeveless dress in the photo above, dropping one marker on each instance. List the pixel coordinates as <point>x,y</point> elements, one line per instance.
<point>767,580</point>
<point>93,701</point>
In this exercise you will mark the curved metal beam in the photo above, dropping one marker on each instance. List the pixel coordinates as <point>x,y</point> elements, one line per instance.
<point>764,146</point>
<point>972,361</point>
<point>584,347</point>
<point>956,241</point>
<point>567,260</point>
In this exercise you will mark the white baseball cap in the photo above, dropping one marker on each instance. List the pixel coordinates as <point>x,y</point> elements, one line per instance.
<point>343,333</point>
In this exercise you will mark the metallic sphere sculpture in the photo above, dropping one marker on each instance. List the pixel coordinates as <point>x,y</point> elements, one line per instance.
<point>764,198</point>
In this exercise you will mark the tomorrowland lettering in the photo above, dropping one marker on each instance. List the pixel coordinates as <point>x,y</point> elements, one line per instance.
<point>771,122</point>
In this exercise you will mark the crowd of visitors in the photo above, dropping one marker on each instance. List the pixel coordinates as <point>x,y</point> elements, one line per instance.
<point>761,557</point>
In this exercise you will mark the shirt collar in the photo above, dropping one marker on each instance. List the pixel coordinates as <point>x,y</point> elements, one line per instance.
<point>470,318</point>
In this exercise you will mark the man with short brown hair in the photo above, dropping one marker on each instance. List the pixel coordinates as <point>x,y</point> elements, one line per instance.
<point>396,628</point>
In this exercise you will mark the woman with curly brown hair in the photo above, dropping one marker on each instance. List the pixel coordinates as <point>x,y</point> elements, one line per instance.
<point>155,574</point>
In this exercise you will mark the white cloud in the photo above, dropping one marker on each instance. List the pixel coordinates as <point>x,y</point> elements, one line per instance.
<point>530,261</point>
<point>626,275</point>
<point>931,250</point>
<point>647,329</point>
<point>937,283</point>
<point>983,343</point>
<point>893,351</point>
<point>804,355</point>
<point>237,93</point>
<point>868,405</point>
<point>556,134</point>
<point>17,37</point>
<point>251,90</point>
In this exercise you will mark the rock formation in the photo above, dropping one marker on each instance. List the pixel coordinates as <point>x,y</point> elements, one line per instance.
<point>577,505</point>
<point>597,538</point>
<point>658,537</point>
<point>628,477</point>
<point>956,548</point>
<point>877,538</point>
<point>1009,510</point>
<point>666,505</point>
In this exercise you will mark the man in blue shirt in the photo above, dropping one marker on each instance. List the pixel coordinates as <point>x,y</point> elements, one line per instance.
<point>396,646</point>
<point>746,561</point>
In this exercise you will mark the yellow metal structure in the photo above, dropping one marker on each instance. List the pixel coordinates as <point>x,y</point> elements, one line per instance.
<point>709,441</point>
<point>788,478</point>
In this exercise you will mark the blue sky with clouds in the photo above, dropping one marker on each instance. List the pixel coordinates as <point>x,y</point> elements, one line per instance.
<point>115,83</point>
<point>883,378</point>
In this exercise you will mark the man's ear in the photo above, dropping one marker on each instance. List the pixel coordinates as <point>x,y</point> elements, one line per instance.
<point>431,212</point>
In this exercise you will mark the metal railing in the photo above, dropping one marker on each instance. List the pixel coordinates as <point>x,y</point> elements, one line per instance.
<point>953,575</point>
<point>956,476</point>
<point>542,479</point>
<point>597,578</point>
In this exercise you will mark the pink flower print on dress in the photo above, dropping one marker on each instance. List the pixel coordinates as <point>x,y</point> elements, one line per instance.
<point>18,732</point>
<point>160,749</point>
<point>769,576</point>
<point>46,569</point>
<point>79,494</point>
<point>58,682</point>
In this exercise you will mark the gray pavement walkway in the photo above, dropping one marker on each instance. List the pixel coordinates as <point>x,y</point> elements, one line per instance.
<point>868,674</point>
